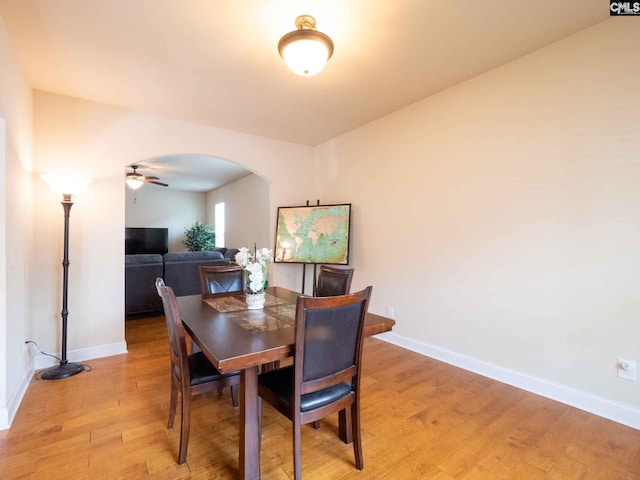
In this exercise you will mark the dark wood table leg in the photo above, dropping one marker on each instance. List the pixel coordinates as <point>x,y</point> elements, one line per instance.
<point>249,454</point>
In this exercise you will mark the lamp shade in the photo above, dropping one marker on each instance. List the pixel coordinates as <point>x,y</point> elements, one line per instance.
<point>66,184</point>
<point>305,50</point>
<point>134,183</point>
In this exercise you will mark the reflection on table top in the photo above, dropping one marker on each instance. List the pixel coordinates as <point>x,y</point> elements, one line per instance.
<point>234,337</point>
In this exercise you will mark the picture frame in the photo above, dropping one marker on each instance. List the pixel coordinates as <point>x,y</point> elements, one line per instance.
<point>318,234</point>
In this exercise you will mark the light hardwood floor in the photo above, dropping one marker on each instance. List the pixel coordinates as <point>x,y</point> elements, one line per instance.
<point>421,419</point>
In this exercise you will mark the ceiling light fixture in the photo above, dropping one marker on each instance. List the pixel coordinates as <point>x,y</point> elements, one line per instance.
<point>134,182</point>
<point>306,50</point>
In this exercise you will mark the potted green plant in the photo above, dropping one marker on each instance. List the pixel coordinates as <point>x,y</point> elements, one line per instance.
<point>200,237</point>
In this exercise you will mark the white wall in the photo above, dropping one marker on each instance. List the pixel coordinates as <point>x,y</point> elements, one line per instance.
<point>4,411</point>
<point>246,212</point>
<point>15,227</point>
<point>501,217</point>
<point>164,208</point>
<point>98,141</point>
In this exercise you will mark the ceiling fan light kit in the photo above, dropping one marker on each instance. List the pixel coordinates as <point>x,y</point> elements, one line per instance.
<point>135,180</point>
<point>306,50</point>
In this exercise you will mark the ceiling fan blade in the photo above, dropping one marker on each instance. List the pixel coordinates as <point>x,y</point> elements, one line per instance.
<point>146,180</point>
<point>153,178</point>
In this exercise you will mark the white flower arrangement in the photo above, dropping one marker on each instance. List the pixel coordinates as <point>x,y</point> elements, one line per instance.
<point>255,267</point>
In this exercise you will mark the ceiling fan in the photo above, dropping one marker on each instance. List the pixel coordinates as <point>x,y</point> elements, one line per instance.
<point>135,179</point>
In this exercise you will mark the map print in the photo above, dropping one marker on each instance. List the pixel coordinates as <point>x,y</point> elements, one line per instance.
<point>317,234</point>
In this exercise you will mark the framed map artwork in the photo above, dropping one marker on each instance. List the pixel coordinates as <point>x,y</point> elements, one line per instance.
<point>318,234</point>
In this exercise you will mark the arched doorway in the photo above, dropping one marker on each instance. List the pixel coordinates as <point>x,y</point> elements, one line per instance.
<point>176,192</point>
<point>196,184</point>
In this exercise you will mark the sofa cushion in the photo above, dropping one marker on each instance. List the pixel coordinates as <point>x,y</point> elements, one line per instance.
<point>230,254</point>
<point>192,256</point>
<point>182,270</point>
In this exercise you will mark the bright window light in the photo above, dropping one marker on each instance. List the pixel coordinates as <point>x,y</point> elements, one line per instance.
<point>219,224</point>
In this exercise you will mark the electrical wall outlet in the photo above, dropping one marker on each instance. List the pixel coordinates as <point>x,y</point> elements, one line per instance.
<point>391,313</point>
<point>627,369</point>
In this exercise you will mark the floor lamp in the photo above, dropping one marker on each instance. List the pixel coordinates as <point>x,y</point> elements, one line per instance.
<point>68,187</point>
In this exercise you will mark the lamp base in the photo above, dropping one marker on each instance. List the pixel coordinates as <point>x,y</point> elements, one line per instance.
<point>63,370</point>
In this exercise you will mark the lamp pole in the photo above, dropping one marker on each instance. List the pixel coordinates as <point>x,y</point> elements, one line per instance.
<point>65,368</point>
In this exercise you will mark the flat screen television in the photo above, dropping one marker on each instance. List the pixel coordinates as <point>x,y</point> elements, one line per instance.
<point>146,240</point>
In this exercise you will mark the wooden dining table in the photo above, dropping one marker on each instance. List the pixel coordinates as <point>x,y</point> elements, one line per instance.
<point>235,338</point>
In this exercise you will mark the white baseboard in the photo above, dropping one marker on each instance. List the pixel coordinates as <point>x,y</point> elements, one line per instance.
<point>44,361</point>
<point>618,412</point>
<point>4,418</point>
<point>81,354</point>
<point>7,414</point>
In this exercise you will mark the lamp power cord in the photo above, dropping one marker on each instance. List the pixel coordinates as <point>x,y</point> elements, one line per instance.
<point>87,368</point>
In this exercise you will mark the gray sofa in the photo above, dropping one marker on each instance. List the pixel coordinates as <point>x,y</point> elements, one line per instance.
<point>179,270</point>
<point>182,270</point>
<point>140,273</point>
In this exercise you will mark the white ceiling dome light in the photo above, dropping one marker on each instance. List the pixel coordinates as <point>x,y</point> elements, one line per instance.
<point>306,50</point>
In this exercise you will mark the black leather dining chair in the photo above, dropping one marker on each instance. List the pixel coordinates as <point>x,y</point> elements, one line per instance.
<point>325,376</point>
<point>221,279</point>
<point>190,374</point>
<point>333,281</point>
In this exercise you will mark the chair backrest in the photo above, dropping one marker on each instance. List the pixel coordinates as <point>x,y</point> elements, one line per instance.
<point>222,279</point>
<point>177,343</point>
<point>333,281</point>
<point>329,333</point>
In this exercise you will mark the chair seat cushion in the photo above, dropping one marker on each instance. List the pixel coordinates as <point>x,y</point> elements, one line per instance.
<point>280,382</point>
<point>202,371</point>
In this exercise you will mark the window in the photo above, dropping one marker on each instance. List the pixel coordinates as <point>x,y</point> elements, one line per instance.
<point>219,224</point>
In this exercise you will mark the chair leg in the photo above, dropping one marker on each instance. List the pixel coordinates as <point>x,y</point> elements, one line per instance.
<point>260,423</point>
<point>172,404</point>
<point>297,460</point>
<point>344,425</point>
<point>184,430</point>
<point>316,424</point>
<point>357,437</point>
<point>234,395</point>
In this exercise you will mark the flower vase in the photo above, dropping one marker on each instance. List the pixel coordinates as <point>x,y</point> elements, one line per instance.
<point>255,301</point>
